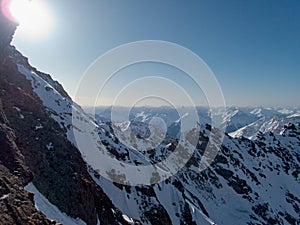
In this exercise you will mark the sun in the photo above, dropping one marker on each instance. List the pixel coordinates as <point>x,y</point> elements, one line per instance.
<point>33,16</point>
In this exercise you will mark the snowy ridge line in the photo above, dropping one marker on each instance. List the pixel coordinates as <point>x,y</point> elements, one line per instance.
<point>60,108</point>
<point>264,125</point>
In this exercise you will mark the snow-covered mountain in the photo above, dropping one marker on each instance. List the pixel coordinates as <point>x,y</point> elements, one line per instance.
<point>273,124</point>
<point>92,170</point>
<point>234,119</point>
<point>249,182</point>
<point>168,115</point>
<point>229,191</point>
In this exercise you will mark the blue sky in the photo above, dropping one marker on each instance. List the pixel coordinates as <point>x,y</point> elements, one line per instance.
<point>253,47</point>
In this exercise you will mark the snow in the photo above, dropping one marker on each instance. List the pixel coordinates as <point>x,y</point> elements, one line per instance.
<point>4,196</point>
<point>50,210</point>
<point>127,219</point>
<point>199,216</point>
<point>49,146</point>
<point>17,108</point>
<point>129,206</point>
<point>38,127</point>
<point>169,198</point>
<point>294,115</point>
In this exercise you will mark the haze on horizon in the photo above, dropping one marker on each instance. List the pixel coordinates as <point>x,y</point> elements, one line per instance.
<point>252,47</point>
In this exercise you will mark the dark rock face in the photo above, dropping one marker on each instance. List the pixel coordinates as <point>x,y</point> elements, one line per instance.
<point>16,205</point>
<point>11,157</point>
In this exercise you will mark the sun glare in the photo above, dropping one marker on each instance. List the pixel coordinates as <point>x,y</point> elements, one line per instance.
<point>33,16</point>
